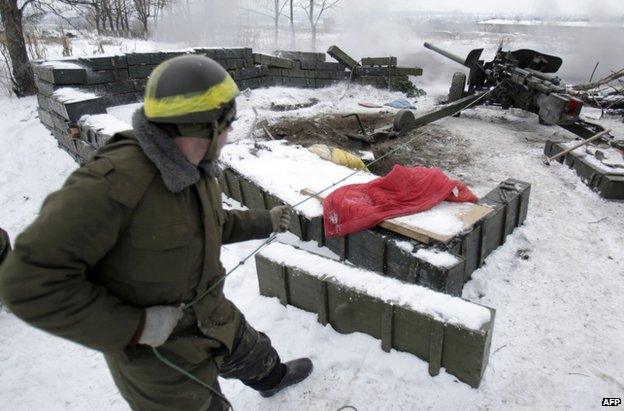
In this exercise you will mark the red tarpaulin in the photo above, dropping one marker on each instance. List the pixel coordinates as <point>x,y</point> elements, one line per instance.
<point>403,191</point>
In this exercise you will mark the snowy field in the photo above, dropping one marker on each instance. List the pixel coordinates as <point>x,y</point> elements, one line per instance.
<point>557,286</point>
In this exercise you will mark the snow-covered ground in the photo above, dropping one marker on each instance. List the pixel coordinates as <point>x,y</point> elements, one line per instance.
<point>86,44</point>
<point>557,285</point>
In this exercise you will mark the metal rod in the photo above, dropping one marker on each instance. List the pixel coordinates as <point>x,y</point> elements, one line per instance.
<point>584,142</point>
<point>359,120</point>
<point>593,72</point>
<point>268,133</point>
<point>447,110</point>
<point>446,54</point>
<point>543,76</point>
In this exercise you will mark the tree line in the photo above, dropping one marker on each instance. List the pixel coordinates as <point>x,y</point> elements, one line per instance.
<point>130,18</point>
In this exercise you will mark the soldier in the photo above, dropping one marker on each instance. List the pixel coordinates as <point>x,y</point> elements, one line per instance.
<point>136,233</point>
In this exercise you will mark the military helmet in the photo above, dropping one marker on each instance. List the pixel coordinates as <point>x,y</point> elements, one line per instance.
<point>190,90</point>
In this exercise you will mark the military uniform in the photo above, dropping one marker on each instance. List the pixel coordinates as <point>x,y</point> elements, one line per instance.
<point>115,240</point>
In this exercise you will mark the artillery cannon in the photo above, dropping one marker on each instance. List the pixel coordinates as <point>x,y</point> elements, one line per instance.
<point>521,79</point>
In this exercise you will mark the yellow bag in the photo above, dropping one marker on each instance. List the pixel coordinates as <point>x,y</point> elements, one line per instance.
<point>338,156</point>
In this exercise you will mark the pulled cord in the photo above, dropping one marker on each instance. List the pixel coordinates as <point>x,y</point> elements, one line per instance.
<point>191,376</point>
<point>269,240</point>
<point>240,263</point>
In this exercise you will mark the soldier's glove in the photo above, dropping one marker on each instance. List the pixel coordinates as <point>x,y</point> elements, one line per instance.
<point>280,217</point>
<point>160,321</point>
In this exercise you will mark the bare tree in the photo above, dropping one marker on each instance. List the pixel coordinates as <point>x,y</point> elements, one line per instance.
<point>121,11</point>
<point>274,10</point>
<point>159,5</point>
<point>92,9</point>
<point>314,10</point>
<point>143,10</point>
<point>114,16</point>
<point>12,15</point>
<point>278,7</point>
<point>291,17</point>
<point>148,9</point>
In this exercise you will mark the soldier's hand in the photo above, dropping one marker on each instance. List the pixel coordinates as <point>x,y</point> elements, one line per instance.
<point>160,321</point>
<point>280,217</point>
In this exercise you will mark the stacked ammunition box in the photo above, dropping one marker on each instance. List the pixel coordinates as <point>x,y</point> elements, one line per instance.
<point>393,255</point>
<point>381,72</point>
<point>463,352</point>
<point>69,89</point>
<point>310,70</point>
<point>64,96</point>
<point>425,331</point>
<point>609,185</point>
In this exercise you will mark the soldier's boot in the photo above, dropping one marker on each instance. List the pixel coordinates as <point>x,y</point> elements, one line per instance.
<point>296,371</point>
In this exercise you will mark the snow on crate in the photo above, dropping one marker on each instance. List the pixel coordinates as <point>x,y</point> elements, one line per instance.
<point>337,99</point>
<point>443,307</point>
<point>286,170</point>
<point>438,258</point>
<point>124,112</point>
<point>72,95</point>
<point>444,219</point>
<point>104,123</point>
<point>435,257</point>
<point>608,159</point>
<point>61,65</point>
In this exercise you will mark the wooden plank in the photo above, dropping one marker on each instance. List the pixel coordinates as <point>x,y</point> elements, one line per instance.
<point>469,218</point>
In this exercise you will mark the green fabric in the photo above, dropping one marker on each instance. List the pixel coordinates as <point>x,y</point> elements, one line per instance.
<point>147,384</point>
<point>114,240</point>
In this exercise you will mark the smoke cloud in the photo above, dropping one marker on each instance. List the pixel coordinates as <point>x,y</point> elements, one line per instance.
<point>580,32</point>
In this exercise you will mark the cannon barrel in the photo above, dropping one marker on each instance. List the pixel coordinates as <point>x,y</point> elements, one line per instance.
<point>547,77</point>
<point>447,54</point>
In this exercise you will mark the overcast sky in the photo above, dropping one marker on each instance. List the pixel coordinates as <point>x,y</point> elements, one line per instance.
<point>539,7</point>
